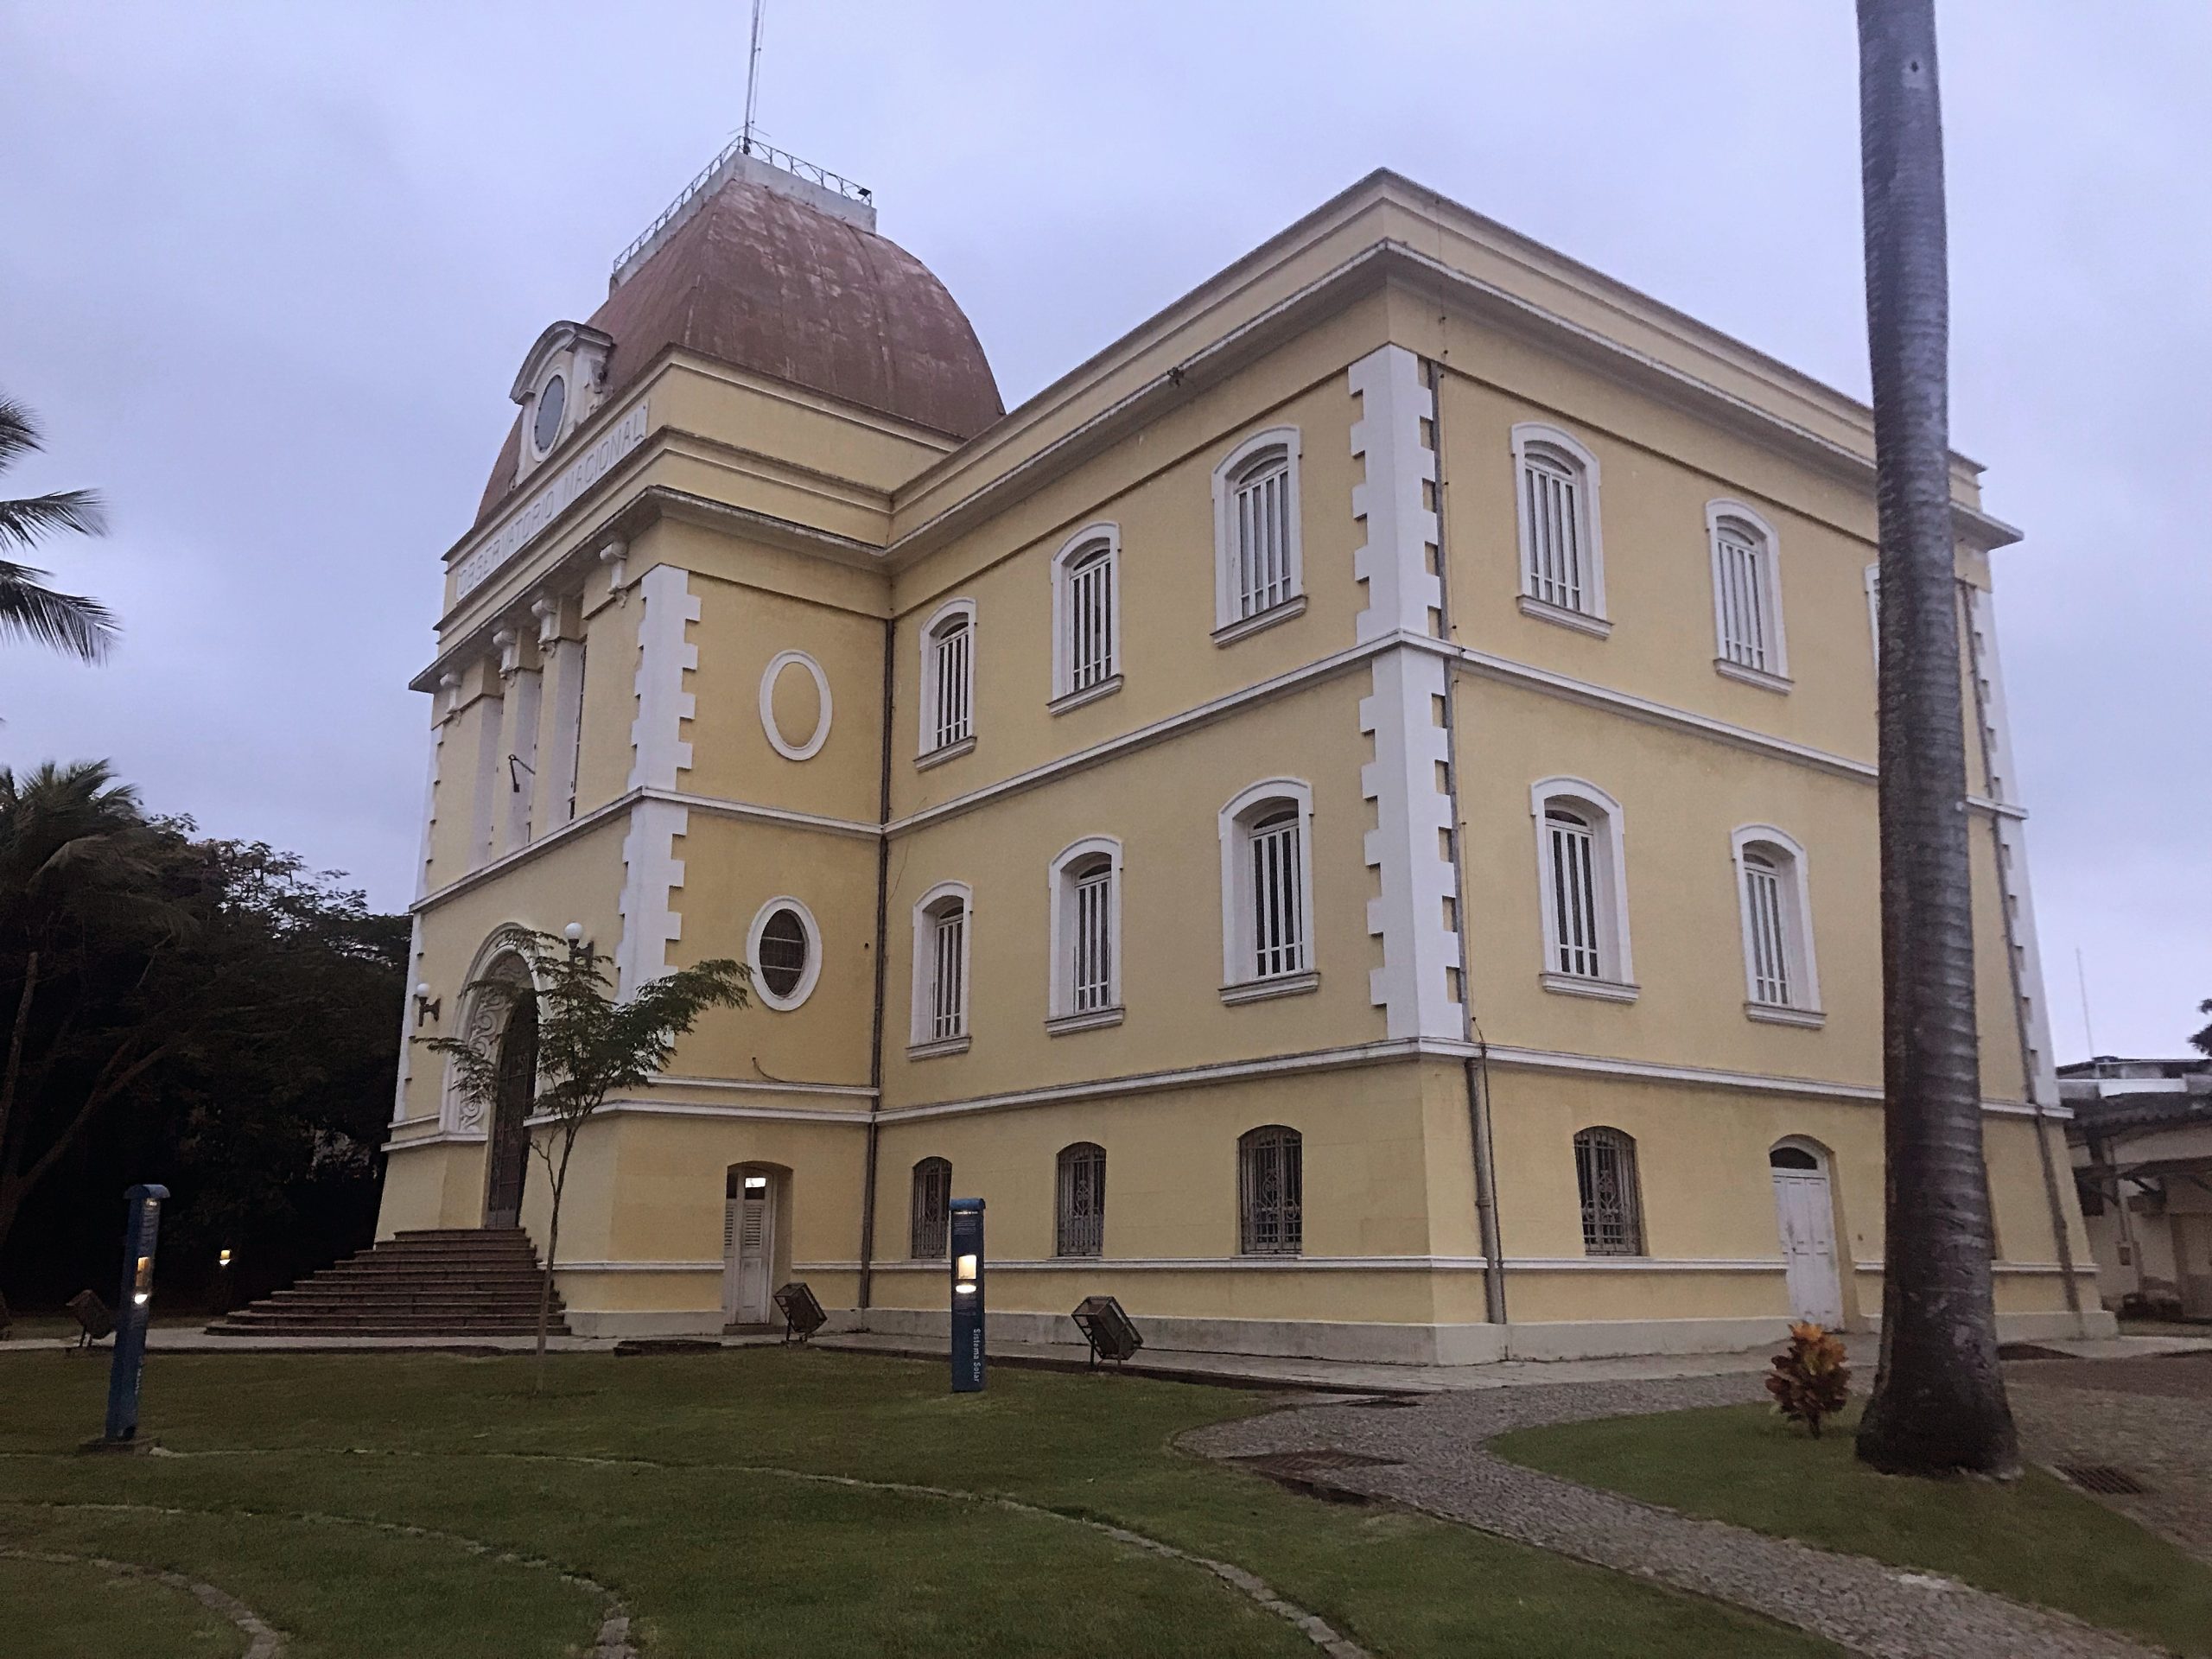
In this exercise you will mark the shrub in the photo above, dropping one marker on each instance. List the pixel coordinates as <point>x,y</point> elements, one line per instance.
<point>1810,1380</point>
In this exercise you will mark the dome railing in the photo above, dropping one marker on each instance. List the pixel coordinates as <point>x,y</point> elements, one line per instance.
<point>708,176</point>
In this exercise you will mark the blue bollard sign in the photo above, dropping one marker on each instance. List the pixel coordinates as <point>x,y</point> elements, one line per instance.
<point>141,1224</point>
<point>967,1254</point>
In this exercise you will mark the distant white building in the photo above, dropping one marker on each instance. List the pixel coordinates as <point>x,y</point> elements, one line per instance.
<point>2141,1138</point>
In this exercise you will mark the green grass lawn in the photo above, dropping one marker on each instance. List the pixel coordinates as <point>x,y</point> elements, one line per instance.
<point>422,1504</point>
<point>2038,1541</point>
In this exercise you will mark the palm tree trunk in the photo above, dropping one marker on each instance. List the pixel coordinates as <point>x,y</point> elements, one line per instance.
<point>1938,1404</point>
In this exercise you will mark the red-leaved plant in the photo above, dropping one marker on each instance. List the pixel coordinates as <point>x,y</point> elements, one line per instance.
<point>1810,1380</point>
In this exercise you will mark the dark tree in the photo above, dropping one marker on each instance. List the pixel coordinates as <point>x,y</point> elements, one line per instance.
<point>1938,1404</point>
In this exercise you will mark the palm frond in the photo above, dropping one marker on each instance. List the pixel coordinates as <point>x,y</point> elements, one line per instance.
<point>23,523</point>
<point>18,431</point>
<point>81,626</point>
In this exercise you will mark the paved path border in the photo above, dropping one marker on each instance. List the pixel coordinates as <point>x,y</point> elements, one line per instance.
<point>263,1640</point>
<point>1443,1466</point>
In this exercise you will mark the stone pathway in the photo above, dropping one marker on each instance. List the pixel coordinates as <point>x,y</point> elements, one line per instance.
<point>1443,1466</point>
<point>263,1641</point>
<point>2151,1418</point>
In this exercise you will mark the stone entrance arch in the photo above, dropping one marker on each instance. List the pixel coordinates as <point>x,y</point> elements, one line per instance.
<point>499,1018</point>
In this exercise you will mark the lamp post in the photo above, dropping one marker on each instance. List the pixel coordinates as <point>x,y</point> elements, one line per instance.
<point>142,1222</point>
<point>967,1253</point>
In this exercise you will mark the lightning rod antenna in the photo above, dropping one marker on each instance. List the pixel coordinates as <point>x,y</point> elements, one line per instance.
<point>752,76</point>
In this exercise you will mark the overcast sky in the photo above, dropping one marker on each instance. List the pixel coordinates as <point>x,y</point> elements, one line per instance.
<point>268,271</point>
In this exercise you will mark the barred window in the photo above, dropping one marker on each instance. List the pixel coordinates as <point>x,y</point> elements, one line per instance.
<point>1094,936</point>
<point>932,1210</point>
<point>1080,1210</point>
<point>1085,602</point>
<point>1259,569</point>
<point>1574,894</point>
<point>1278,911</point>
<point>783,952</point>
<point>949,678</point>
<point>1779,971</point>
<point>1746,596</point>
<point>1086,923</point>
<point>941,958</point>
<point>1261,509</point>
<point>1605,1176</point>
<point>1582,888</point>
<point>1551,484</point>
<point>1270,1183</point>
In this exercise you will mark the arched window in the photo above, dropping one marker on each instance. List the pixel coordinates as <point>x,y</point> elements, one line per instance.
<point>1562,555</point>
<point>1086,932</point>
<point>1258,565</point>
<point>948,703</point>
<point>941,956</point>
<point>930,1220</point>
<point>1270,1183</point>
<point>1583,888</point>
<point>1087,617</point>
<point>784,947</point>
<point>1612,1208</point>
<point>1746,596</point>
<point>1267,891</point>
<point>1781,979</point>
<point>1079,1225</point>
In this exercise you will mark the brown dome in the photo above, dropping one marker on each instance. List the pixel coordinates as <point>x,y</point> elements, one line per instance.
<point>761,280</point>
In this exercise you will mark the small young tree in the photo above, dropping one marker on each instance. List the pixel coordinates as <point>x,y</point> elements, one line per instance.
<point>589,1045</point>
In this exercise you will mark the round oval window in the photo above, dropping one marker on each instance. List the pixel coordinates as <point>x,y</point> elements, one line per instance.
<point>551,403</point>
<point>783,953</point>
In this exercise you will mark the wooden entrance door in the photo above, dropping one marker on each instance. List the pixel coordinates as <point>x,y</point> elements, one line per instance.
<point>748,1247</point>
<point>516,1093</point>
<point>1806,1211</point>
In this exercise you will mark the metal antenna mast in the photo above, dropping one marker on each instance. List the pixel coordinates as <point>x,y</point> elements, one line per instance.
<point>753,77</point>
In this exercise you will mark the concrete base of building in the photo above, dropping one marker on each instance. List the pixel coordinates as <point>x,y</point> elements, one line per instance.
<point>1360,1344</point>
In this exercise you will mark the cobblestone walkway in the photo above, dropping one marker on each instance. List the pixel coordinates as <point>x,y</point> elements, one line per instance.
<point>1443,1467</point>
<point>2151,1418</point>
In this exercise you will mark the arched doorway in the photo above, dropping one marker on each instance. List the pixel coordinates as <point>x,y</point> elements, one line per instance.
<point>1805,1208</point>
<point>509,1163</point>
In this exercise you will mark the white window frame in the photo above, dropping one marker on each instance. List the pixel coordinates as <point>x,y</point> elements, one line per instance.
<point>1772,675</point>
<point>1801,965</point>
<point>808,975</point>
<point>925,1041</point>
<point>1230,621</point>
<point>1591,616</point>
<point>931,751</point>
<point>1066,694</point>
<point>1241,981</point>
<point>1062,1014</point>
<point>1615,981</point>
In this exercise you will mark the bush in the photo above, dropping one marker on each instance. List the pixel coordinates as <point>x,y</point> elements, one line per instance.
<point>1810,1380</point>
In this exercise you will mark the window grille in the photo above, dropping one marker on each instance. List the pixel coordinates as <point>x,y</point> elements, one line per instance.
<point>1081,1211</point>
<point>1259,514</point>
<point>949,978</point>
<point>1553,487</point>
<point>932,1210</point>
<point>1763,914</point>
<point>1604,1174</point>
<point>1091,618</point>
<point>1270,1182</point>
<point>1742,565</point>
<point>1278,904</point>
<point>783,952</point>
<point>1093,966</point>
<point>952,713</point>
<point>1574,894</point>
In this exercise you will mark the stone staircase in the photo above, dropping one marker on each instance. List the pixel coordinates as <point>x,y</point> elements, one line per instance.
<point>447,1282</point>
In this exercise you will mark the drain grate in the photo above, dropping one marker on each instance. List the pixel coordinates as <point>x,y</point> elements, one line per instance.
<point>2102,1477</point>
<point>1385,1402</point>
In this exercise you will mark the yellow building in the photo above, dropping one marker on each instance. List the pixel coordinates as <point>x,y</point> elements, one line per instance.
<point>1349,819</point>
